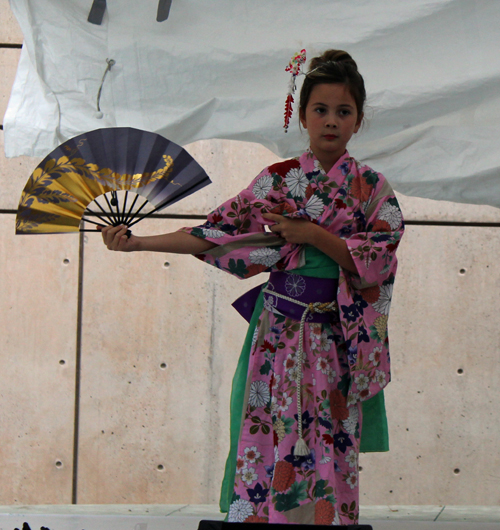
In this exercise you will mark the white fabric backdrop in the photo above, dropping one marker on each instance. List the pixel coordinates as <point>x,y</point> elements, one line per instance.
<point>216,70</point>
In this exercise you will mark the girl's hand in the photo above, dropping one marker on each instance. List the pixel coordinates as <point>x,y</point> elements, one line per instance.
<point>115,238</point>
<point>298,231</point>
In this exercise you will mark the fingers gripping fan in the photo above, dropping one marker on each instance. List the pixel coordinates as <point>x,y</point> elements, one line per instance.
<point>133,173</point>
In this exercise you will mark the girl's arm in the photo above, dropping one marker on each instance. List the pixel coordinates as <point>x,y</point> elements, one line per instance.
<point>300,231</point>
<point>115,238</point>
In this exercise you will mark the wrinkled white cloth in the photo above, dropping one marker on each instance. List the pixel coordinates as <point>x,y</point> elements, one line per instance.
<point>217,70</point>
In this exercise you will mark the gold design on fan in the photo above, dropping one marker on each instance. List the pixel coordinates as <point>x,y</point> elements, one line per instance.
<point>66,186</point>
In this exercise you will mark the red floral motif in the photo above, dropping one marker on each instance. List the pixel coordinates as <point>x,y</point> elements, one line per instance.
<point>361,189</point>
<point>338,406</point>
<point>370,294</point>
<point>254,269</point>
<point>282,208</point>
<point>282,168</point>
<point>251,455</point>
<point>393,246</point>
<point>284,476</point>
<point>267,346</point>
<point>216,217</point>
<point>328,439</point>
<point>324,512</point>
<point>364,394</point>
<point>339,203</point>
<point>381,226</point>
<point>240,463</point>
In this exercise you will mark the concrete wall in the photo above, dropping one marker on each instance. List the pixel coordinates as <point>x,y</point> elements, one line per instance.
<point>116,368</point>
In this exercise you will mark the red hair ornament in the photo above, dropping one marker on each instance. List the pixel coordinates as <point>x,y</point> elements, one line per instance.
<point>294,68</point>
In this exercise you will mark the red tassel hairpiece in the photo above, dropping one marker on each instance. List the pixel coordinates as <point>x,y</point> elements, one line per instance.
<point>294,68</point>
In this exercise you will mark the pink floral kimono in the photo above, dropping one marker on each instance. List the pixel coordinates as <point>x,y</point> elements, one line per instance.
<point>346,359</point>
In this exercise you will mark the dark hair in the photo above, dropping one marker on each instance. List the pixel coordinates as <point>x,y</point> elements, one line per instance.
<point>334,66</point>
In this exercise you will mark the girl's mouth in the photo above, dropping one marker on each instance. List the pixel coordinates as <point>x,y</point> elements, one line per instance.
<point>330,136</point>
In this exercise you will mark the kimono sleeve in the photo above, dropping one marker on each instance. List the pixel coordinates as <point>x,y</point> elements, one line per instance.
<point>365,298</point>
<point>237,227</point>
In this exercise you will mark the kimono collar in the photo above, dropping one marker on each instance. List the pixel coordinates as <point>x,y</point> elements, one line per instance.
<point>337,173</point>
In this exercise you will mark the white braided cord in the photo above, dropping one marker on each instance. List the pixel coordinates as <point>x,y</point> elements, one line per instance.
<point>301,448</point>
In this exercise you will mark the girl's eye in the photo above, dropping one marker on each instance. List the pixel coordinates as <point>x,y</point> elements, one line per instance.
<point>320,110</point>
<point>344,112</point>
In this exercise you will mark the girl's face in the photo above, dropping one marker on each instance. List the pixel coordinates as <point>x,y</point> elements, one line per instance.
<point>331,119</point>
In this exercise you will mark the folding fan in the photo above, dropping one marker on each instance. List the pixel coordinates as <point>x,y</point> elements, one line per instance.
<point>118,165</point>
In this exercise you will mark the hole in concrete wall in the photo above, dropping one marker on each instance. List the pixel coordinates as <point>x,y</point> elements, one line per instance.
<point>163,366</point>
<point>160,467</point>
<point>65,261</point>
<point>460,371</point>
<point>166,265</point>
<point>58,463</point>
<point>462,271</point>
<point>456,471</point>
<point>62,361</point>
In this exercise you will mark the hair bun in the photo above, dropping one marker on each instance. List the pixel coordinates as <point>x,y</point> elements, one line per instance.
<point>333,56</point>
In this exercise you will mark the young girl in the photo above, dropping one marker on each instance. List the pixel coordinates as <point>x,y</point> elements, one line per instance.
<point>317,344</point>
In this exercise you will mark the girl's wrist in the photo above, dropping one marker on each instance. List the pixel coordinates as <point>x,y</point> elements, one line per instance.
<point>315,232</point>
<point>137,244</point>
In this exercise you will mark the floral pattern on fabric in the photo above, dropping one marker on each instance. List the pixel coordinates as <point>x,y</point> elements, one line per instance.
<point>346,360</point>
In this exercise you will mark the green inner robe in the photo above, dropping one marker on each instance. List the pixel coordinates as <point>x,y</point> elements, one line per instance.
<point>374,433</point>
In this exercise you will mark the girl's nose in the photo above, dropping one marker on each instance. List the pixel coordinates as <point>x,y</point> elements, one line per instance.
<point>331,121</point>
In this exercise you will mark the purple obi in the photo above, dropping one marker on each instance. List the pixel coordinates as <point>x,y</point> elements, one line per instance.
<point>298,288</point>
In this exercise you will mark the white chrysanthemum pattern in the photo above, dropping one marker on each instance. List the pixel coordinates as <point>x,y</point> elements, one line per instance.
<point>297,182</point>
<point>383,304</point>
<point>262,186</point>
<point>314,207</point>
<point>264,256</point>
<point>213,233</point>
<point>239,511</point>
<point>351,422</point>
<point>391,214</point>
<point>259,394</point>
